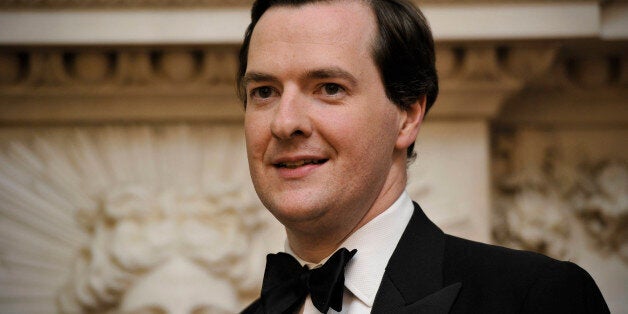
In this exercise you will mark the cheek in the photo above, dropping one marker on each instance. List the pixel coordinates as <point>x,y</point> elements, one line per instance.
<point>380,136</point>
<point>341,129</point>
<point>367,126</point>
<point>255,133</point>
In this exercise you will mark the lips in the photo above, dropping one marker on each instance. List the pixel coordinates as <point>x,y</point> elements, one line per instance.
<point>299,163</point>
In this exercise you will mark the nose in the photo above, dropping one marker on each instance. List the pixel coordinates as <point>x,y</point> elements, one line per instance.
<point>291,118</point>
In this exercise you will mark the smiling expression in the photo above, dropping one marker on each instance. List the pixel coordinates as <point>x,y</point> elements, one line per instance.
<point>323,141</point>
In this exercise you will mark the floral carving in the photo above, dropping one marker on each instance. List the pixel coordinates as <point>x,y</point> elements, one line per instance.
<point>540,207</point>
<point>130,219</point>
<point>136,229</point>
<point>601,203</point>
<point>533,213</point>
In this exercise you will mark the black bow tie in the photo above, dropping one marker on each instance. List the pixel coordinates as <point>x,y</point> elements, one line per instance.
<point>287,283</point>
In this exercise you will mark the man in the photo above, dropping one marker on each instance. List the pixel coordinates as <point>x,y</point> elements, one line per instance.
<point>335,93</point>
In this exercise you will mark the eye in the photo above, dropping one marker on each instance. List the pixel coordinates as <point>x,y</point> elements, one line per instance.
<point>262,92</point>
<point>332,89</point>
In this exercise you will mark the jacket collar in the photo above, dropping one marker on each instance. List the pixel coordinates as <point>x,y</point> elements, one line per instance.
<point>414,275</point>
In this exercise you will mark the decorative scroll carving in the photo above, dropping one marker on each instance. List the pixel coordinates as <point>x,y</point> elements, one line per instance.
<point>218,64</point>
<point>527,62</point>
<point>114,84</point>
<point>183,82</point>
<point>541,205</point>
<point>487,73</point>
<point>578,69</point>
<point>198,68</point>
<point>96,69</point>
<point>76,83</point>
<point>153,218</point>
<point>137,230</point>
<point>494,63</point>
<point>601,203</point>
<point>528,213</point>
<point>189,77</point>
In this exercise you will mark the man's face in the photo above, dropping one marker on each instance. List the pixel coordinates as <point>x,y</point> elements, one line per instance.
<point>321,135</point>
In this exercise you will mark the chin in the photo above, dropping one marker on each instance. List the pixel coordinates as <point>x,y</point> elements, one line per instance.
<point>294,215</point>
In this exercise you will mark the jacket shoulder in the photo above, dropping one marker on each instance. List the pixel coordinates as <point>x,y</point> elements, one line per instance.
<point>462,254</point>
<point>495,278</point>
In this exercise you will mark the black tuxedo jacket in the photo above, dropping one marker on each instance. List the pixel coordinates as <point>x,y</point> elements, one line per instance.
<point>432,272</point>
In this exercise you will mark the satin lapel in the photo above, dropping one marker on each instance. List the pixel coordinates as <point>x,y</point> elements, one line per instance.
<point>388,298</point>
<point>439,302</point>
<point>254,308</point>
<point>415,269</point>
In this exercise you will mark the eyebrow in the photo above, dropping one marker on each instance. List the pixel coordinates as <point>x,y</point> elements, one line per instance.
<point>332,72</point>
<point>257,77</point>
<point>322,73</point>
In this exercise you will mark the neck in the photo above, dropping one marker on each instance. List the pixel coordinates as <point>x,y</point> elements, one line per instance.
<point>311,252</point>
<point>314,244</point>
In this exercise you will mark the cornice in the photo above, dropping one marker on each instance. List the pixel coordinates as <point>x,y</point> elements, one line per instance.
<point>207,25</point>
<point>152,4</point>
<point>69,84</point>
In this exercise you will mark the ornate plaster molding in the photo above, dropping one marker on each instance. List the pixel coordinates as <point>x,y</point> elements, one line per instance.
<point>136,229</point>
<point>602,206</point>
<point>118,84</point>
<point>487,74</point>
<point>547,202</point>
<point>87,84</point>
<point>97,219</point>
<point>197,83</point>
<point>583,75</point>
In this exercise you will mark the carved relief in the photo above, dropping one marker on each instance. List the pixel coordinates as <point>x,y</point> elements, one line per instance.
<point>587,69</point>
<point>139,232</point>
<point>532,211</point>
<point>98,84</point>
<point>488,73</point>
<point>541,205</point>
<point>192,78</point>
<point>199,67</point>
<point>153,219</point>
<point>494,63</point>
<point>601,203</point>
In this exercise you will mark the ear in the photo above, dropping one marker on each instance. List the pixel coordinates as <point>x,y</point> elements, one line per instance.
<point>410,123</point>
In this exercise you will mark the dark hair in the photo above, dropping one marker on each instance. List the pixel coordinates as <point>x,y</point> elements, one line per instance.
<point>403,51</point>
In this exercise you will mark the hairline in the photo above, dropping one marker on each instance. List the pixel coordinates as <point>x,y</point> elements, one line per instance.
<point>375,42</point>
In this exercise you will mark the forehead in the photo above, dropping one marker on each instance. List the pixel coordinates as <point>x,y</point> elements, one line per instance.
<point>336,28</point>
<point>320,18</point>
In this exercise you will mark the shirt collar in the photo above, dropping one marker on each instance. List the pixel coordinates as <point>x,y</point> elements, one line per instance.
<point>375,242</point>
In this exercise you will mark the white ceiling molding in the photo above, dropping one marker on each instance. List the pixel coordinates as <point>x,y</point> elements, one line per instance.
<point>202,26</point>
<point>514,21</point>
<point>615,21</point>
<point>186,26</point>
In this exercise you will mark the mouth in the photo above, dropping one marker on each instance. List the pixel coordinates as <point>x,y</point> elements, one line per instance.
<point>299,163</point>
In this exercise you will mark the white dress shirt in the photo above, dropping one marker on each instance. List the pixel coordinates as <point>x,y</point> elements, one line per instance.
<point>375,243</point>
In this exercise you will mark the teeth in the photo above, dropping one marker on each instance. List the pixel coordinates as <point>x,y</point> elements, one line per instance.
<point>299,163</point>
